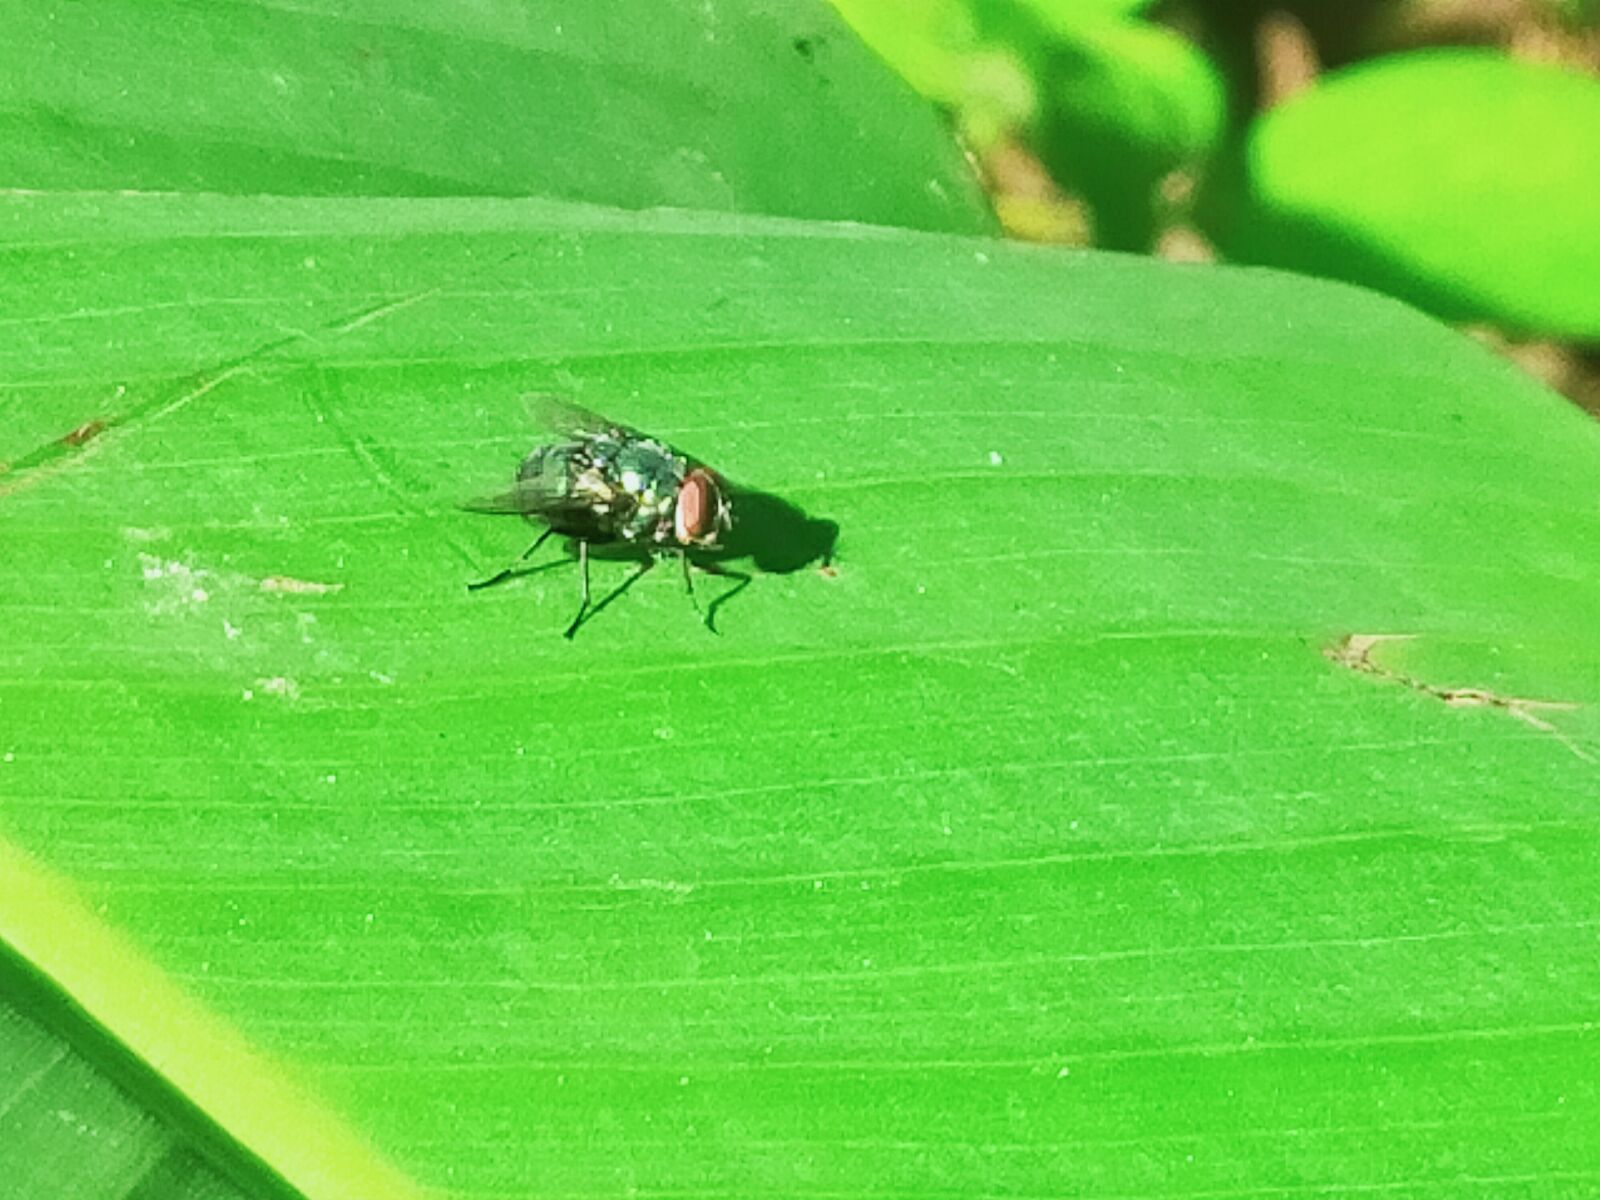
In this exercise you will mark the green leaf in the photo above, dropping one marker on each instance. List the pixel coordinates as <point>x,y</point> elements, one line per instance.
<point>943,50</point>
<point>1126,103</point>
<point>1067,17</point>
<point>929,42</point>
<point>735,105</point>
<point>1457,179</point>
<point>1059,840</point>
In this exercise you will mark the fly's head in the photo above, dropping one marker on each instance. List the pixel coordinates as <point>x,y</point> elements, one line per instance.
<point>703,512</point>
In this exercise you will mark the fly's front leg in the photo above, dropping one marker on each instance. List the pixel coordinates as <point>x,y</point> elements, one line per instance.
<point>711,568</point>
<point>688,578</point>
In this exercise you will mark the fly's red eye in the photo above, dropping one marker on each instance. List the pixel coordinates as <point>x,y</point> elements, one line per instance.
<point>693,517</point>
<point>691,514</point>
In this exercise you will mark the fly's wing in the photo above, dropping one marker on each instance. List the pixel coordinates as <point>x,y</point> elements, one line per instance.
<point>527,499</point>
<point>559,414</point>
<point>569,515</point>
<point>544,491</point>
<point>543,487</point>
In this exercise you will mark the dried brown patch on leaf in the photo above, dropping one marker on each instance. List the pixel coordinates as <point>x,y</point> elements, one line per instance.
<point>83,433</point>
<point>1354,652</point>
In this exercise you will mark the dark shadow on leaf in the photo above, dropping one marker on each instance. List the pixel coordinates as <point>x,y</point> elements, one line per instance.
<point>775,535</point>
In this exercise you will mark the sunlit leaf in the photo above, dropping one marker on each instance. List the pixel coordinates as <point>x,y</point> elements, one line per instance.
<point>1460,180</point>
<point>1181,781</point>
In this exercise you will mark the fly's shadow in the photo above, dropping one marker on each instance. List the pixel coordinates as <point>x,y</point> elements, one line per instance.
<point>777,537</point>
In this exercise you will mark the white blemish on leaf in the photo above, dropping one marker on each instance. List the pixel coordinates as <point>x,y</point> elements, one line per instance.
<point>671,886</point>
<point>280,685</point>
<point>298,587</point>
<point>176,586</point>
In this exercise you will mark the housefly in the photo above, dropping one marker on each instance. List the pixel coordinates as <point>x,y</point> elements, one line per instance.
<point>608,484</point>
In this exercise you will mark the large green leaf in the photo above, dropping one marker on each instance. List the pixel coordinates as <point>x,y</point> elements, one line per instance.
<point>1058,841</point>
<point>733,105</point>
<point>1458,179</point>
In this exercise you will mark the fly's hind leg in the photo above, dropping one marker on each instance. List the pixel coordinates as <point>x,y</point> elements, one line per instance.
<point>508,572</point>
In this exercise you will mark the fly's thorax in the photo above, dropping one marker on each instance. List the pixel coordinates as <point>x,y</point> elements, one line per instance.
<point>647,469</point>
<point>648,474</point>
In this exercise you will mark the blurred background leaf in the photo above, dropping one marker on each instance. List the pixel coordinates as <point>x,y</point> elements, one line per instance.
<point>1444,153</point>
<point>727,106</point>
<point>1459,180</point>
<point>1127,104</point>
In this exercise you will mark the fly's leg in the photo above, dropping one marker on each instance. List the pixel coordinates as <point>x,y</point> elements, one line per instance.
<point>583,560</point>
<point>688,579</point>
<point>585,613</point>
<point>502,576</point>
<point>711,568</point>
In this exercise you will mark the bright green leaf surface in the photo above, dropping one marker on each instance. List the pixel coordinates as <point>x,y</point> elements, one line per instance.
<point>727,105</point>
<point>944,50</point>
<point>1038,850</point>
<point>1068,18</point>
<point>929,42</point>
<point>1458,179</point>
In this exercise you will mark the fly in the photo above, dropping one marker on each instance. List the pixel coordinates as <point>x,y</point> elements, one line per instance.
<point>609,484</point>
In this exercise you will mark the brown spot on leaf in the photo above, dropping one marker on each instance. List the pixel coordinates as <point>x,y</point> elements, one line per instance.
<point>83,433</point>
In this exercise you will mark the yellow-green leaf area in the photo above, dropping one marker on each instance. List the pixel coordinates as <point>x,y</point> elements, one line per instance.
<point>1458,179</point>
